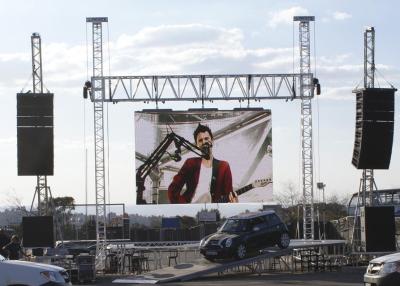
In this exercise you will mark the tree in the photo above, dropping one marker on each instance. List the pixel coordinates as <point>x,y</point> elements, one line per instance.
<point>187,221</point>
<point>62,212</point>
<point>290,197</point>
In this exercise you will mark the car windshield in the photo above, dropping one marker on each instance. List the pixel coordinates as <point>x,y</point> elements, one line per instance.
<point>234,225</point>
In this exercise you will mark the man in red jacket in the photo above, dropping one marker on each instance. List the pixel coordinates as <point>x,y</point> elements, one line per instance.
<point>207,180</point>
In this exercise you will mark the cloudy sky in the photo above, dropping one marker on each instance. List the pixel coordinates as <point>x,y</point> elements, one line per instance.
<point>191,37</point>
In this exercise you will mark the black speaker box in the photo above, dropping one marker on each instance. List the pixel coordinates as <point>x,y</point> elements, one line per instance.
<point>37,251</point>
<point>378,230</point>
<point>35,151</point>
<point>374,128</point>
<point>37,231</point>
<point>35,134</point>
<point>35,104</point>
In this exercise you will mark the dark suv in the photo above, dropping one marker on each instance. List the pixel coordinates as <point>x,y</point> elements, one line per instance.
<point>245,233</point>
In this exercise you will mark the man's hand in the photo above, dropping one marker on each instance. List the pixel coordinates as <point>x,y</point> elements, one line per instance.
<point>233,198</point>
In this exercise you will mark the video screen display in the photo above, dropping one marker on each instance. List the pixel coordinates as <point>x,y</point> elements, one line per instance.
<point>207,156</point>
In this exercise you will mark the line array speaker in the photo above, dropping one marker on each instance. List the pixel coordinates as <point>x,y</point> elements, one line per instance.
<point>35,136</point>
<point>378,229</point>
<point>374,128</point>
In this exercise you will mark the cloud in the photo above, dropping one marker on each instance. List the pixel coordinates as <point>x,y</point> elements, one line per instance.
<point>281,63</point>
<point>286,16</point>
<point>337,93</point>
<point>171,48</point>
<point>336,59</point>
<point>185,49</point>
<point>192,48</point>
<point>63,63</point>
<point>181,35</point>
<point>342,68</point>
<point>165,49</point>
<point>337,15</point>
<point>7,57</point>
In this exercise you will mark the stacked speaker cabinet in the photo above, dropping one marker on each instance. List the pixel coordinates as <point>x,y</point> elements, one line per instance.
<point>35,137</point>
<point>374,128</point>
<point>378,230</point>
<point>38,231</point>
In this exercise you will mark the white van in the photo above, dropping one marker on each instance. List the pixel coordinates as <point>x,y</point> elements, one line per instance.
<point>25,273</point>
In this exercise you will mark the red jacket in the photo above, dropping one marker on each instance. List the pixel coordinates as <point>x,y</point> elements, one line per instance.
<point>189,175</point>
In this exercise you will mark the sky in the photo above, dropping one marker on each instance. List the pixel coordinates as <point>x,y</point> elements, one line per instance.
<point>191,37</point>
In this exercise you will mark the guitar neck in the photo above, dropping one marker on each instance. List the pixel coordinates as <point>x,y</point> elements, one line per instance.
<point>225,199</point>
<point>244,189</point>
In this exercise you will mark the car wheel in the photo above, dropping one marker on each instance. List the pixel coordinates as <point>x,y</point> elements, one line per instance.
<point>284,240</point>
<point>241,251</point>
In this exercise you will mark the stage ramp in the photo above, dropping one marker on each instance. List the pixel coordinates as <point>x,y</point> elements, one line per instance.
<point>203,267</point>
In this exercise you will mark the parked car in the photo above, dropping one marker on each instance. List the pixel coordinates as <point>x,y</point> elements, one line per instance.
<point>244,233</point>
<point>379,268</point>
<point>25,273</point>
<point>76,247</point>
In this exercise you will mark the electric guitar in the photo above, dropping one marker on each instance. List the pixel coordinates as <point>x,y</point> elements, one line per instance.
<point>256,184</point>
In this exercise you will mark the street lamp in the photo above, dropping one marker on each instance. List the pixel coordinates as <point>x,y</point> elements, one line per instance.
<point>321,186</point>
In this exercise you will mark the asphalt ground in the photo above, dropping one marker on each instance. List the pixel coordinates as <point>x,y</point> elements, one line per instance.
<point>348,276</point>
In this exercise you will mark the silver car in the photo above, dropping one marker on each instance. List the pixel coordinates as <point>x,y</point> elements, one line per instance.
<point>380,267</point>
<point>25,273</point>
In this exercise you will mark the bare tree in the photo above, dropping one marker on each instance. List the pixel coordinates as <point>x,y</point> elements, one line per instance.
<point>290,196</point>
<point>15,202</point>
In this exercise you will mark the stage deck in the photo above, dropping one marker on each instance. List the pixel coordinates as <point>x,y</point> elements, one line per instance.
<point>201,267</point>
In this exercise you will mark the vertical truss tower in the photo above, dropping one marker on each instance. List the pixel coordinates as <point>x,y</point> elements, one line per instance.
<point>306,89</point>
<point>42,190</point>
<point>97,98</point>
<point>367,180</point>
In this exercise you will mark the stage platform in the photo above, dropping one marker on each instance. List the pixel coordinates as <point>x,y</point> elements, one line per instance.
<point>202,267</point>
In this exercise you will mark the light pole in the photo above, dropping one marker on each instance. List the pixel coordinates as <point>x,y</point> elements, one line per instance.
<point>321,186</point>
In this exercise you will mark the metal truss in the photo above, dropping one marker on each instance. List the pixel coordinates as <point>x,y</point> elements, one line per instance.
<point>368,181</point>
<point>368,187</point>
<point>97,93</point>
<point>163,88</point>
<point>42,189</point>
<point>37,75</point>
<point>369,57</point>
<point>306,91</point>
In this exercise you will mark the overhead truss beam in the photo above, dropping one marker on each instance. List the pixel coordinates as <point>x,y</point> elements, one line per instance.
<point>199,87</point>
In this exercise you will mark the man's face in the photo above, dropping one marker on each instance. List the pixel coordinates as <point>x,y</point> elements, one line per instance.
<point>202,138</point>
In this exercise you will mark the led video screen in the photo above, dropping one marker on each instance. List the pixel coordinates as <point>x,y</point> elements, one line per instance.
<point>206,156</point>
